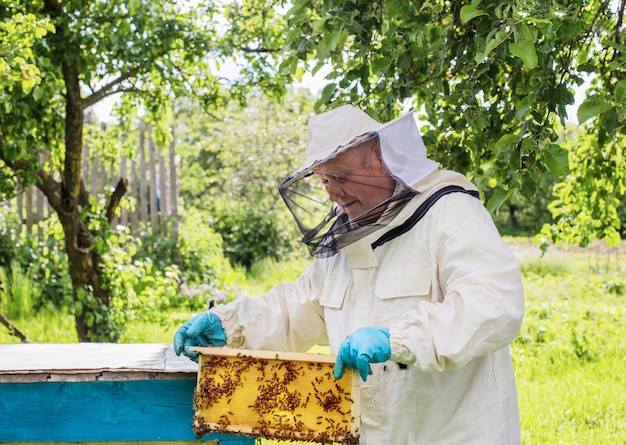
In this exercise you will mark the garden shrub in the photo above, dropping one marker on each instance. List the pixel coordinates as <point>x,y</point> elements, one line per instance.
<point>252,232</point>
<point>206,273</point>
<point>40,253</point>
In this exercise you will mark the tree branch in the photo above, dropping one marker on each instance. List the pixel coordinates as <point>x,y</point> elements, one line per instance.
<point>116,198</point>
<point>106,90</point>
<point>13,330</point>
<point>620,18</point>
<point>246,49</point>
<point>51,189</point>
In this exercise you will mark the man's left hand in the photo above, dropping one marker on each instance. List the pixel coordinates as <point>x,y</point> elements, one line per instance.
<point>362,347</point>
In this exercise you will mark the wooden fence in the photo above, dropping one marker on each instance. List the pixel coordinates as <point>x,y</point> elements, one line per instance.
<point>153,185</point>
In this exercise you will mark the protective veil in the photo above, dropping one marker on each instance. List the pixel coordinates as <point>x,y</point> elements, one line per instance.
<point>325,228</point>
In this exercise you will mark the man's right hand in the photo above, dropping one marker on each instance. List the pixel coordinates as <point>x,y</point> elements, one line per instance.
<point>204,329</point>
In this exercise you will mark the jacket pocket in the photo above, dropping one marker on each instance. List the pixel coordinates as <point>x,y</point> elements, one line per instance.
<point>335,291</point>
<point>408,281</point>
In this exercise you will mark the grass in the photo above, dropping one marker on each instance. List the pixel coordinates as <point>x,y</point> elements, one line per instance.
<point>570,355</point>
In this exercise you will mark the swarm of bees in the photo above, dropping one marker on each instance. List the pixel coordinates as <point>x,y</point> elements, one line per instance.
<point>275,396</point>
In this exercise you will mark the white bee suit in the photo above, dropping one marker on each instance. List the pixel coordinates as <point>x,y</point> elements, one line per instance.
<point>450,292</point>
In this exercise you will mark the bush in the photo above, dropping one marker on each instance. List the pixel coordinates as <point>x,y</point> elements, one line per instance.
<point>206,274</point>
<point>41,255</point>
<point>202,254</point>
<point>160,248</point>
<point>251,233</point>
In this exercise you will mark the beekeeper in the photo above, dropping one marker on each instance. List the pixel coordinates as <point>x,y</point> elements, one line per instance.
<point>410,284</point>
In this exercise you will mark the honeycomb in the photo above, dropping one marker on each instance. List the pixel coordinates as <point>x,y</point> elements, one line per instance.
<point>283,396</point>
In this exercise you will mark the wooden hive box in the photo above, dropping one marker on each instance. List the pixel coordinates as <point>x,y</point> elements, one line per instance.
<point>99,393</point>
<point>275,395</point>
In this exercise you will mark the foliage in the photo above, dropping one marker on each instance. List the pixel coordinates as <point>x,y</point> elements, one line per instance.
<point>44,326</point>
<point>250,232</point>
<point>233,166</point>
<point>18,59</point>
<point>545,268</point>
<point>201,250</point>
<point>521,216</point>
<point>145,281</point>
<point>580,222</point>
<point>9,226</point>
<point>492,80</point>
<point>60,58</point>
<point>137,288</point>
<point>266,273</point>
<point>40,254</point>
<point>51,266</point>
<point>151,244</point>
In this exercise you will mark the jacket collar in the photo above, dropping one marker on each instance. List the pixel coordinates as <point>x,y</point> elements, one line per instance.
<point>360,255</point>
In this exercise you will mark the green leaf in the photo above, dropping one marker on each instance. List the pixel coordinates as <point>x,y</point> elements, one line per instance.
<point>334,39</point>
<point>328,92</point>
<point>299,73</point>
<point>569,30</point>
<point>586,68</point>
<point>469,12</point>
<point>89,319</point>
<point>557,159</point>
<point>506,143</point>
<point>498,198</point>
<point>544,25</point>
<point>612,237</point>
<point>499,38</point>
<point>529,187</point>
<point>381,65</point>
<point>527,32</point>
<point>591,108</point>
<point>525,50</point>
<point>521,107</point>
<point>620,92</point>
<point>322,51</point>
<point>480,123</point>
<point>515,155</point>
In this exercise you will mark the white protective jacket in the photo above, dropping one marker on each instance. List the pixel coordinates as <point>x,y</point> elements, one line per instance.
<point>449,290</point>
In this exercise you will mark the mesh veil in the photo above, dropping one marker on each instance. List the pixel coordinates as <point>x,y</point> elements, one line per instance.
<point>324,226</point>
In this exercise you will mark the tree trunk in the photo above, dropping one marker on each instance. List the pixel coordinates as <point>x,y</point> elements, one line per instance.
<point>92,303</point>
<point>68,197</point>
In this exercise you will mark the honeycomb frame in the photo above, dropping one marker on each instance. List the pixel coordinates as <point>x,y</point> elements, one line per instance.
<point>275,395</point>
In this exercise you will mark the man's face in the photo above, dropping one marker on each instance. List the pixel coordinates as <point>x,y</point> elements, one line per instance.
<point>356,180</point>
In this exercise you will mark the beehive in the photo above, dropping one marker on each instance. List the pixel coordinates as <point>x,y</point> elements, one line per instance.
<point>285,396</point>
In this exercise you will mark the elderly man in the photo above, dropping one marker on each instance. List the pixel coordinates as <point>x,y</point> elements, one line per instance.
<point>410,284</point>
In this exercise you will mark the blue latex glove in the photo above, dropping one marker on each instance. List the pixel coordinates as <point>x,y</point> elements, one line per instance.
<point>362,347</point>
<point>204,329</point>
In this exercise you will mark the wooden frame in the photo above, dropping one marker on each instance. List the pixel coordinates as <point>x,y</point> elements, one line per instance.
<point>275,395</point>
